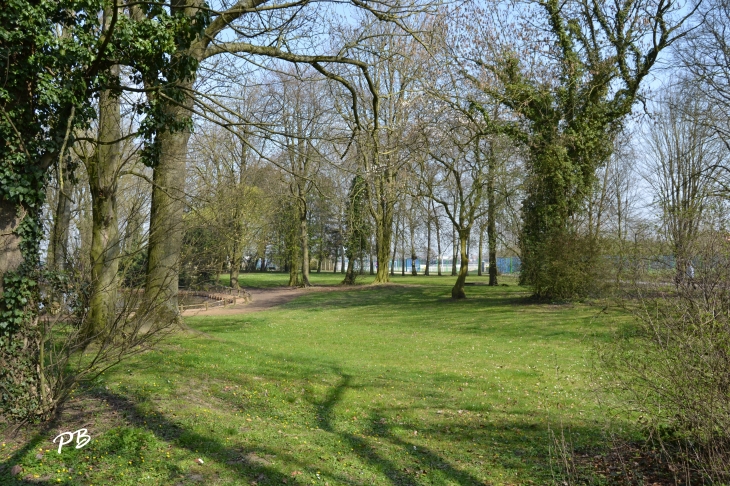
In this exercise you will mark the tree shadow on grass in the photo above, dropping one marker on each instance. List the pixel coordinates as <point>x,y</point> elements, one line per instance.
<point>325,420</point>
<point>250,464</point>
<point>437,463</point>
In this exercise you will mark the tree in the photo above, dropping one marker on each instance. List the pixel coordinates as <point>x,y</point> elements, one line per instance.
<point>356,227</point>
<point>60,55</point>
<point>459,187</point>
<point>706,55</point>
<point>383,144</point>
<point>226,199</point>
<point>243,30</point>
<point>568,106</point>
<point>684,158</point>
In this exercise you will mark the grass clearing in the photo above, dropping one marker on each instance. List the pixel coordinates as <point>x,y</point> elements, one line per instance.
<point>390,384</point>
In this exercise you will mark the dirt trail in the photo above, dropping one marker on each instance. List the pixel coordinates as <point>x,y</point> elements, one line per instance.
<point>262,299</point>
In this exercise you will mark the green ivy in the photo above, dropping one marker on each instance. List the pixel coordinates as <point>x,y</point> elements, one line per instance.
<point>47,77</point>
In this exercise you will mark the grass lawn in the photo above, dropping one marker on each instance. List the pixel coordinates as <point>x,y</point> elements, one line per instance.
<point>386,385</point>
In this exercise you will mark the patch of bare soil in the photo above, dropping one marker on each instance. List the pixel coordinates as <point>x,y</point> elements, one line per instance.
<point>263,299</point>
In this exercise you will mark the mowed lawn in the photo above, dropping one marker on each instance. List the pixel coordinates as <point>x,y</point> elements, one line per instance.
<point>379,385</point>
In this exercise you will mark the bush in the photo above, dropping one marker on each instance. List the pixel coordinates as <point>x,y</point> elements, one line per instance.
<point>674,361</point>
<point>566,266</point>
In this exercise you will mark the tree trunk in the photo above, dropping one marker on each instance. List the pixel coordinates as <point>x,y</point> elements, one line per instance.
<point>334,265</point>
<point>438,246</point>
<point>103,169</point>
<point>372,263</point>
<point>480,249</point>
<point>455,253</point>
<point>350,275</point>
<point>236,260</point>
<point>395,251</point>
<point>414,272</point>
<point>457,292</point>
<point>304,241</point>
<point>492,223</point>
<point>10,257</point>
<point>166,216</point>
<point>403,254</point>
<point>428,245</point>
<point>342,262</point>
<point>58,244</point>
<point>320,257</point>
<point>294,266</point>
<point>383,234</point>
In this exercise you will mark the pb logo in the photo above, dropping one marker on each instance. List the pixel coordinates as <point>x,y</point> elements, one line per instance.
<point>82,438</point>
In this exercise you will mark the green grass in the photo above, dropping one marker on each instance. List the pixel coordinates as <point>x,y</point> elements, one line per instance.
<point>278,279</point>
<point>379,385</point>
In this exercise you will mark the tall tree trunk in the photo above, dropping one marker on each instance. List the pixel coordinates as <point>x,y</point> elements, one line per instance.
<point>428,244</point>
<point>350,275</point>
<point>403,253</point>
<point>103,169</point>
<point>372,263</point>
<point>480,250</point>
<point>457,292</point>
<point>58,243</point>
<point>492,237</point>
<point>395,250</point>
<point>11,215</point>
<point>383,236</point>
<point>382,209</point>
<point>294,263</point>
<point>334,265</point>
<point>438,244</point>
<point>342,262</point>
<point>236,261</point>
<point>166,216</point>
<point>293,273</point>
<point>455,252</point>
<point>320,257</point>
<point>492,221</point>
<point>304,239</point>
<point>414,272</point>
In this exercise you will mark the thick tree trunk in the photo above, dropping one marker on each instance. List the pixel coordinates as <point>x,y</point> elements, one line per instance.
<point>166,218</point>
<point>10,257</point>
<point>342,262</point>
<point>383,236</point>
<point>350,275</point>
<point>103,170</point>
<point>457,292</point>
<point>236,260</point>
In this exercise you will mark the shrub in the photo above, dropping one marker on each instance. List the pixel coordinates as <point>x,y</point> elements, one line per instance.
<point>674,361</point>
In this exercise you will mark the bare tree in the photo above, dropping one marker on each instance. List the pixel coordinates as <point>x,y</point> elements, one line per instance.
<point>684,158</point>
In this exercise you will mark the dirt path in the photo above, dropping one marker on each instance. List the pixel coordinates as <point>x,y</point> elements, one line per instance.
<point>263,299</point>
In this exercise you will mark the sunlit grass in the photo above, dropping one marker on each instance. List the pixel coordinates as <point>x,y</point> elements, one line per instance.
<point>381,385</point>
